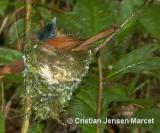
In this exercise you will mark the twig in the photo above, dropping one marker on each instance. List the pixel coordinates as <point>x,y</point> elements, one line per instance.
<point>109,34</point>
<point>28,19</point>
<point>113,34</point>
<point>51,9</point>
<point>2,97</point>
<point>28,101</point>
<point>8,105</point>
<point>18,10</point>
<point>7,17</point>
<point>3,24</point>
<point>101,89</point>
<point>100,93</point>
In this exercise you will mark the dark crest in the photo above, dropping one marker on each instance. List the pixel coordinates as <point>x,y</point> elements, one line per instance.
<point>49,31</point>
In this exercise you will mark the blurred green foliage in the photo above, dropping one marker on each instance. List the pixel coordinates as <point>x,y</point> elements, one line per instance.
<point>87,17</point>
<point>131,62</point>
<point>137,61</point>
<point>2,127</point>
<point>8,55</point>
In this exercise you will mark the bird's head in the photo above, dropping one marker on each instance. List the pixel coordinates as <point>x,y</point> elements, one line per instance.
<point>48,32</point>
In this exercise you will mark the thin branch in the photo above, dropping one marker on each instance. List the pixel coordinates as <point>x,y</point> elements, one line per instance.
<point>28,19</point>
<point>48,8</point>
<point>18,10</point>
<point>2,97</point>
<point>108,39</point>
<point>28,101</point>
<point>101,89</point>
<point>3,24</point>
<point>100,93</point>
<point>8,105</point>
<point>109,34</point>
<point>7,17</point>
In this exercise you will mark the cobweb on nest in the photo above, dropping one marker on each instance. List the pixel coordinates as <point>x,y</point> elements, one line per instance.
<point>51,77</point>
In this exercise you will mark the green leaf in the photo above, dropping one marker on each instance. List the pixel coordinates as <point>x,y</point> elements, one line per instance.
<point>17,4</point>
<point>147,103</point>
<point>36,128</point>
<point>86,95</point>
<point>127,8</point>
<point>116,95</point>
<point>147,114</point>
<point>15,78</point>
<point>83,105</point>
<point>46,14</point>
<point>137,61</point>
<point>79,108</point>
<point>150,18</point>
<point>9,55</point>
<point>88,17</point>
<point>2,126</point>
<point>3,6</point>
<point>16,31</point>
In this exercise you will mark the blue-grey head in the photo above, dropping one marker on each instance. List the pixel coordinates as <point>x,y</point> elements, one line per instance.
<point>49,31</point>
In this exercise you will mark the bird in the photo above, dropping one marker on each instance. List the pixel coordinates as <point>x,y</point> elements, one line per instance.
<point>48,35</point>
